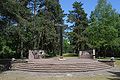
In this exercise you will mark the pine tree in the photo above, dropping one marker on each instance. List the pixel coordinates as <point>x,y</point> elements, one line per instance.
<point>103,31</point>
<point>78,18</point>
<point>14,16</point>
<point>53,13</point>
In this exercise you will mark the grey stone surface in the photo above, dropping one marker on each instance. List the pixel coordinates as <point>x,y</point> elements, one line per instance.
<point>36,54</point>
<point>84,55</point>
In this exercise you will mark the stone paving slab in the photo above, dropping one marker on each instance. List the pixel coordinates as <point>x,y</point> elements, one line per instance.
<point>66,61</point>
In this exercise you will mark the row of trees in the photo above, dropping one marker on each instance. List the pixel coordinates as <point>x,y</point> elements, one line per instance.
<point>101,31</point>
<point>31,24</point>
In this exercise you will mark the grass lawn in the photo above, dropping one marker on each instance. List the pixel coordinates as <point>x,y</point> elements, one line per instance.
<point>70,55</point>
<point>117,63</point>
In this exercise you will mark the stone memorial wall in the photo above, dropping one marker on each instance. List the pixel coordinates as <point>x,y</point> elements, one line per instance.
<point>36,54</point>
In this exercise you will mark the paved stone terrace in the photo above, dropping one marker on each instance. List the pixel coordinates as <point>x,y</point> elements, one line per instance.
<point>66,61</point>
<point>53,65</point>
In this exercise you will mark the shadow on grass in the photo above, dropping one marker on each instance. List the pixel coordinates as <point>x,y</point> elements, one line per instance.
<point>118,59</point>
<point>1,69</point>
<point>116,75</point>
<point>5,65</point>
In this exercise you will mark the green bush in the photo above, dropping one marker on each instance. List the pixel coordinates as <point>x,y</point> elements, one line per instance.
<point>1,67</point>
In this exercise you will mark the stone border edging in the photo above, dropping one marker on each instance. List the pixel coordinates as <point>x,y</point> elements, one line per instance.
<point>108,62</point>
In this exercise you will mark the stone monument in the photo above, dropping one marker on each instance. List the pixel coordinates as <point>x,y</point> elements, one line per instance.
<point>84,55</point>
<point>36,54</point>
<point>93,53</point>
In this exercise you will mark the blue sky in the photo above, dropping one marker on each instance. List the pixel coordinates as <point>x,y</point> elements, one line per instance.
<point>88,5</point>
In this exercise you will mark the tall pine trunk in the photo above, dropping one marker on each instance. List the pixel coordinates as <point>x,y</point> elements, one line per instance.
<point>21,50</point>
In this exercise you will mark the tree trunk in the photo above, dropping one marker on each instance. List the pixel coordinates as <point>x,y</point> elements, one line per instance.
<point>34,7</point>
<point>38,43</point>
<point>21,50</point>
<point>35,43</point>
<point>82,47</point>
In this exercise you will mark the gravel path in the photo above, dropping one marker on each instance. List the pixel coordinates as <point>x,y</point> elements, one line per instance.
<point>92,73</point>
<point>112,74</point>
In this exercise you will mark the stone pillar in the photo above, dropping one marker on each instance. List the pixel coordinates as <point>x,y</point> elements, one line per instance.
<point>80,53</point>
<point>93,53</point>
<point>31,56</point>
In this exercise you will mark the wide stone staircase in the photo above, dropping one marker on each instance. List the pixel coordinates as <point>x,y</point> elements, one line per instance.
<point>55,66</point>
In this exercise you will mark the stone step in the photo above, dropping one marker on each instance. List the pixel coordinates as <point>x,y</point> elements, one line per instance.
<point>57,67</point>
<point>65,66</point>
<point>68,65</point>
<point>80,67</point>
<point>60,67</point>
<point>62,71</point>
